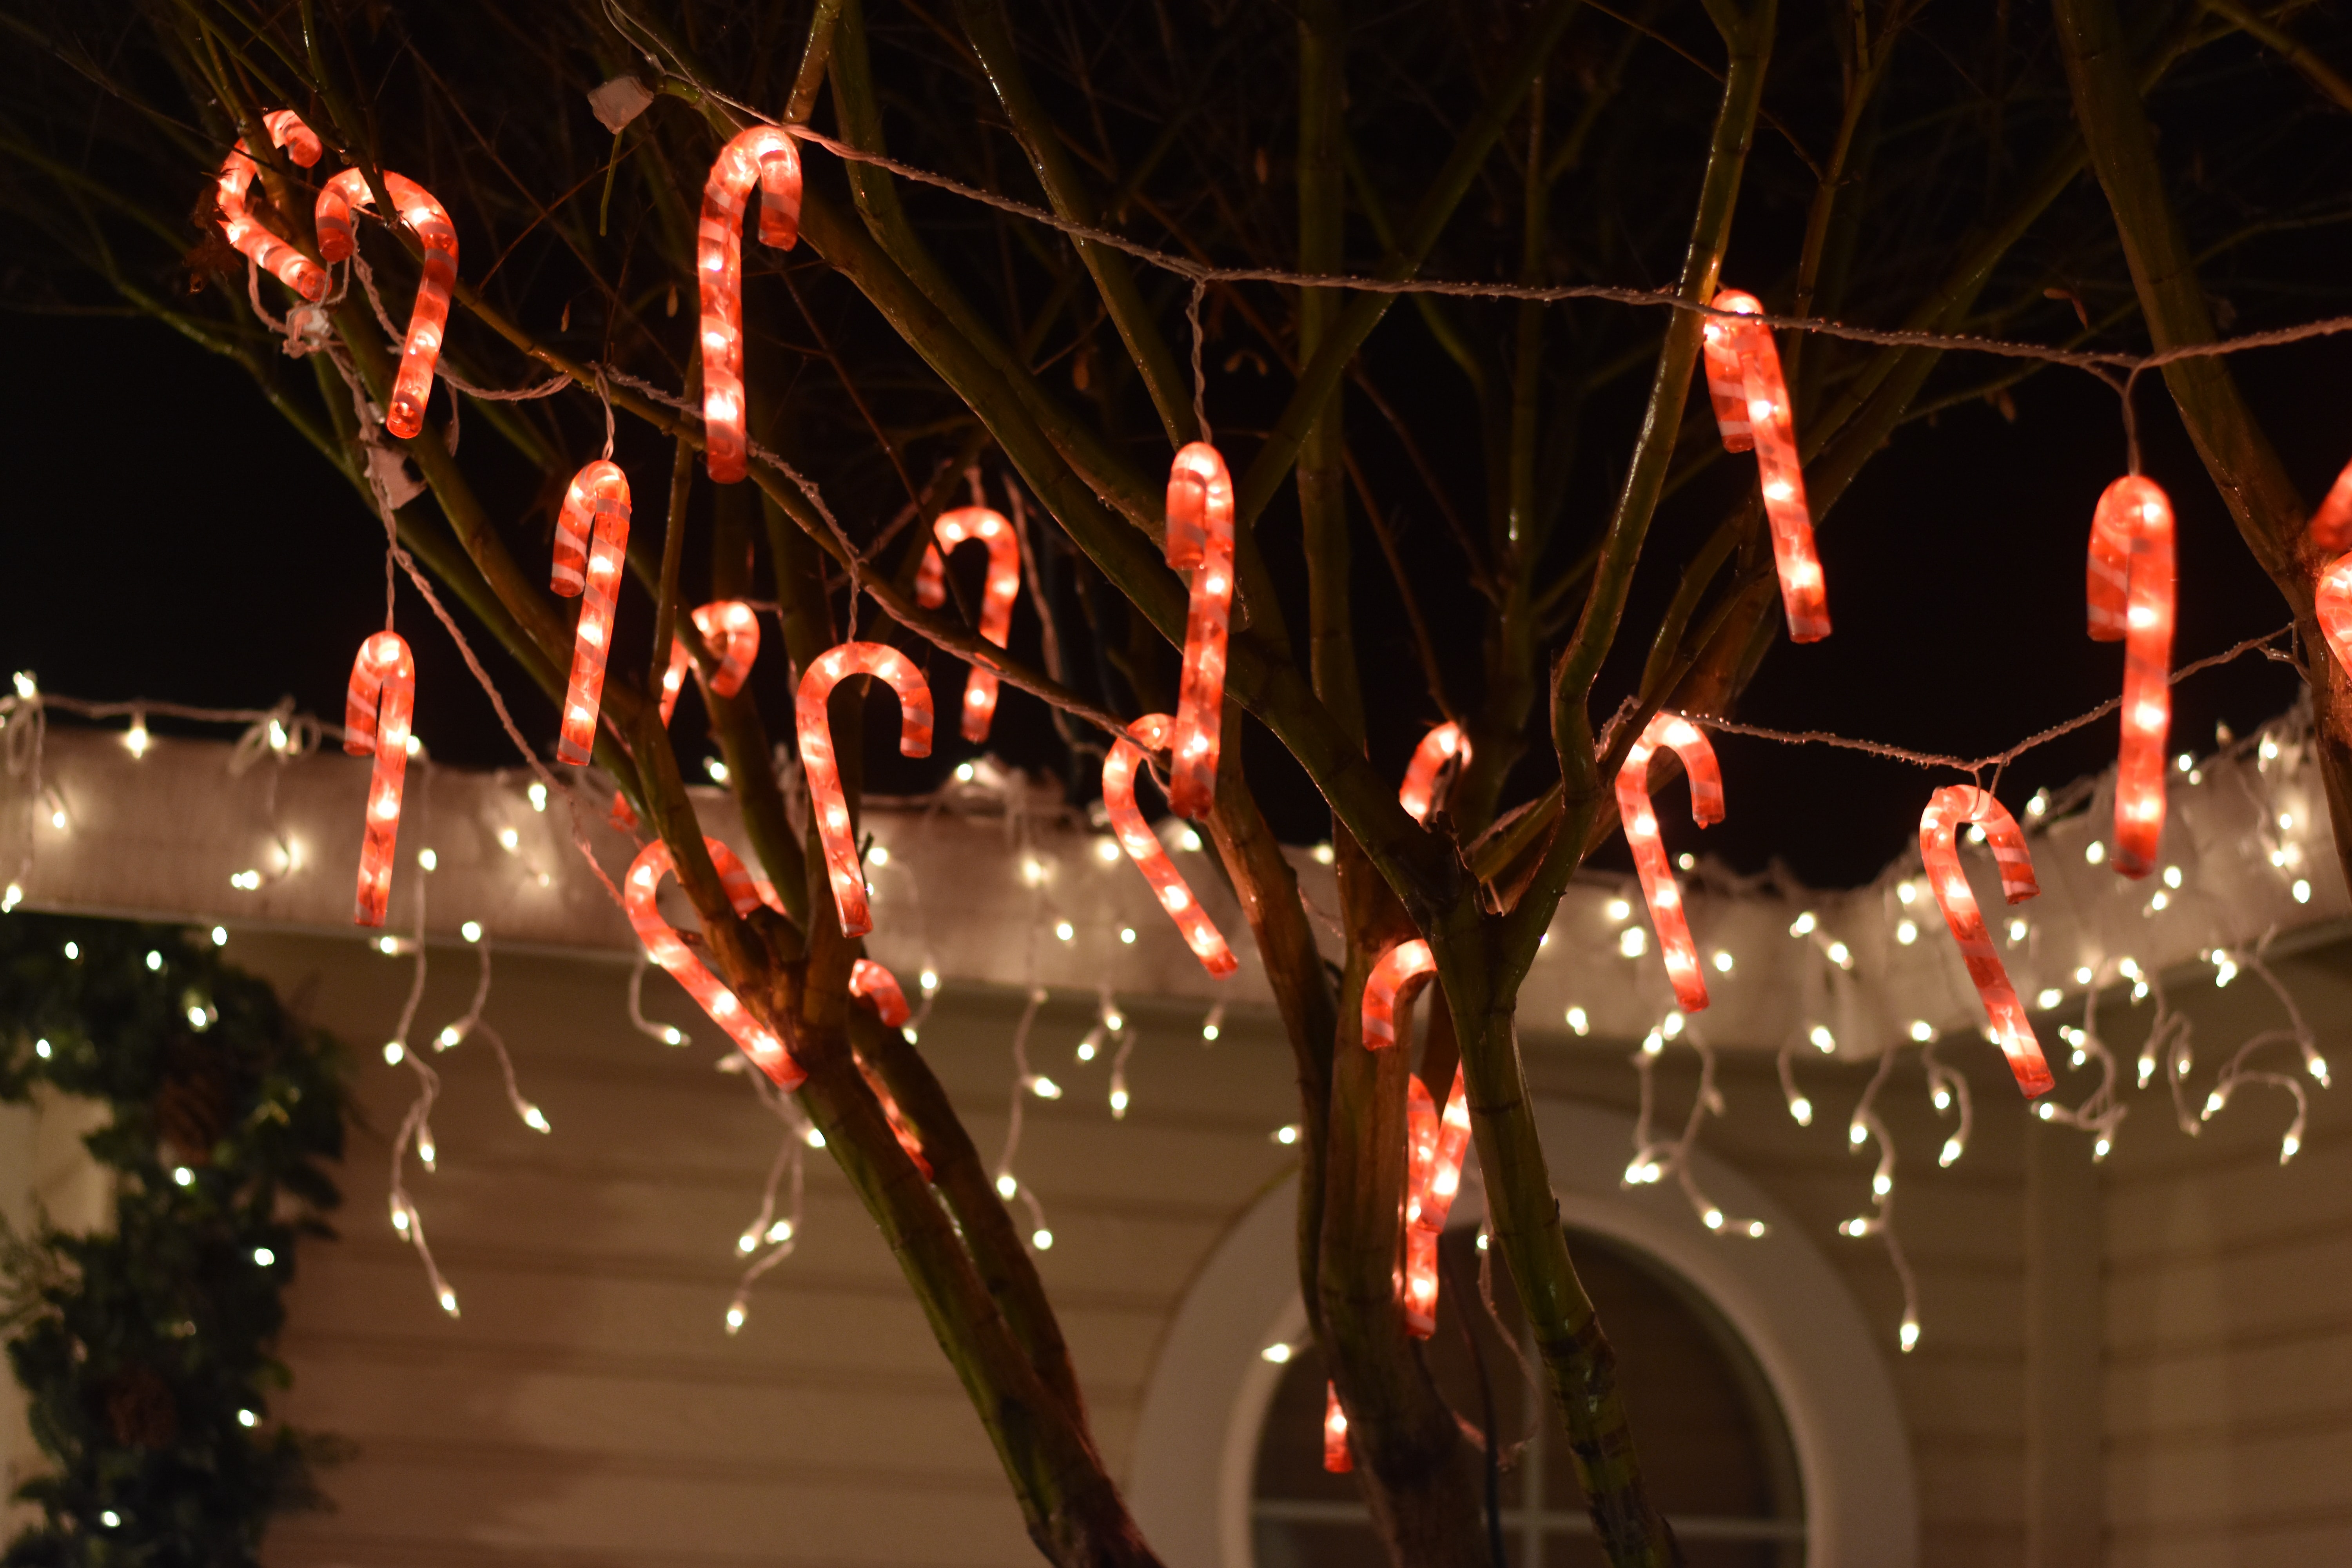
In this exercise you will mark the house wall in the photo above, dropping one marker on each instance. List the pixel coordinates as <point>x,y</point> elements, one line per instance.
<point>588,1407</point>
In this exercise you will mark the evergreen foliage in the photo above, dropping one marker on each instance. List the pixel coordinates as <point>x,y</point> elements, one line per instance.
<point>147,1348</point>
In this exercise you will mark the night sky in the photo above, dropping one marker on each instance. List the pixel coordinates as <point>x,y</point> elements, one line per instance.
<point>169,539</point>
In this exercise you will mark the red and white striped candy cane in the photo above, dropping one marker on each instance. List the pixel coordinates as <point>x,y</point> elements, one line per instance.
<point>1336,1458</point>
<point>273,255</point>
<point>755,1038</point>
<point>1938,852</point>
<point>1201,541</point>
<point>1741,356</point>
<point>376,719</point>
<point>2130,580</point>
<point>1407,960</point>
<point>1659,891</point>
<point>732,629</point>
<point>1142,845</point>
<point>428,320</point>
<point>996,599</point>
<point>1435,1146</point>
<point>591,545</point>
<point>1439,747</point>
<point>2333,603</point>
<point>825,799</point>
<point>764,154</point>
<point>2331,525</point>
<point>878,989</point>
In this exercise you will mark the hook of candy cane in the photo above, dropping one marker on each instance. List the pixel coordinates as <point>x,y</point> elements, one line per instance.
<point>1752,409</point>
<point>878,989</point>
<point>830,806</point>
<point>1938,852</point>
<point>273,255</point>
<point>663,944</point>
<point>2130,579</point>
<point>1407,960</point>
<point>767,155</point>
<point>1336,1458</point>
<point>375,719</point>
<point>2333,604</point>
<point>996,599</point>
<point>592,544</point>
<point>1142,845</point>
<point>429,318</point>
<point>2331,525</point>
<point>1201,541</point>
<point>1435,1146</point>
<point>1659,891</point>
<point>732,629</point>
<point>1441,745</point>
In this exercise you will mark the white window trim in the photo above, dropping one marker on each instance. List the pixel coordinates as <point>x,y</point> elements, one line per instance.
<point>1196,1440</point>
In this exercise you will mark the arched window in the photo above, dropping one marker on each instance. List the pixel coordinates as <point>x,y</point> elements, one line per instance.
<point>1716,1449</point>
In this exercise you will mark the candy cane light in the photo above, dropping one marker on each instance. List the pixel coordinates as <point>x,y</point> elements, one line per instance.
<point>1142,845</point>
<point>830,807</point>
<point>273,255</point>
<point>764,154</point>
<point>2333,604</point>
<point>2130,581</point>
<point>420,353</point>
<point>732,628</point>
<point>1947,810</point>
<point>1441,745</point>
<point>1752,409</point>
<point>665,947</point>
<point>875,987</point>
<point>1435,1145</point>
<point>1336,1458</point>
<point>1659,891</point>
<point>2331,525</point>
<point>592,543</point>
<point>1201,541</point>
<point>990,529</point>
<point>376,712</point>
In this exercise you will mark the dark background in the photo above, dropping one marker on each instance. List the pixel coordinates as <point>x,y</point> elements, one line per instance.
<point>168,538</point>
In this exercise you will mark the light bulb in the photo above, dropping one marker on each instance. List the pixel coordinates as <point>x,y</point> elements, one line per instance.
<point>1821,1038</point>
<point>1286,1135</point>
<point>1041,1239</point>
<point>1276,1352</point>
<point>1578,1022</point>
<point>1800,1110</point>
<point>1006,1187</point>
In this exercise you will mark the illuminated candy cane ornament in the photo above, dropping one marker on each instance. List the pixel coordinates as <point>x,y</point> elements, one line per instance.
<point>996,599</point>
<point>2331,525</point>
<point>878,989</point>
<point>375,719</point>
<point>2333,603</point>
<point>662,944</point>
<point>2130,579</point>
<point>1435,1148</point>
<point>1752,409</point>
<point>1201,541</point>
<point>1406,962</point>
<point>429,318</point>
<point>831,807</point>
<point>1142,845</point>
<point>273,255</point>
<point>1439,747</point>
<point>764,154</point>
<point>1949,807</point>
<point>732,629</point>
<point>1336,1458</point>
<point>591,542</point>
<point>1675,948</point>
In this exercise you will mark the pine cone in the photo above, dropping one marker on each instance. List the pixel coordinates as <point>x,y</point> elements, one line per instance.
<point>198,1103</point>
<point>141,1410</point>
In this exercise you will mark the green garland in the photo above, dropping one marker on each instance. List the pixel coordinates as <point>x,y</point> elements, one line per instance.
<point>147,1349</point>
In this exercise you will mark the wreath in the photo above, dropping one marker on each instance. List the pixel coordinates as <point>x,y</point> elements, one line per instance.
<point>146,1348</point>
